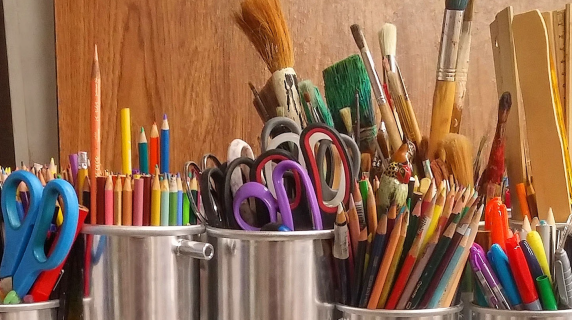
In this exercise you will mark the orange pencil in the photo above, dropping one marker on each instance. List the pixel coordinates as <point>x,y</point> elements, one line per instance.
<point>385,264</point>
<point>447,210</point>
<point>95,156</point>
<point>153,147</point>
<point>391,275</point>
<point>353,224</point>
<point>108,201</point>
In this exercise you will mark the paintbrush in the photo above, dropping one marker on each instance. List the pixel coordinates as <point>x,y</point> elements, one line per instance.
<point>264,24</point>
<point>494,172</point>
<point>462,68</point>
<point>407,118</point>
<point>444,96</point>
<point>341,82</point>
<point>315,107</point>
<point>394,134</point>
<point>460,157</point>
<point>258,104</point>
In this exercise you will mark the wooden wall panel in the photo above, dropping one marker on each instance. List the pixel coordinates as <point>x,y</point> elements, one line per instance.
<point>186,58</point>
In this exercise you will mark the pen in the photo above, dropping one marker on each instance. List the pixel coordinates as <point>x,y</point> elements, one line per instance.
<point>522,276</point>
<point>491,278</point>
<point>531,260</point>
<point>499,262</point>
<point>483,283</point>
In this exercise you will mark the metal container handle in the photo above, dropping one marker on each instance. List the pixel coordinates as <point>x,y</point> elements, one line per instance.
<point>194,249</point>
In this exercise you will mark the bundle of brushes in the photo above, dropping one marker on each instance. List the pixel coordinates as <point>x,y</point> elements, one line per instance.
<point>409,254</point>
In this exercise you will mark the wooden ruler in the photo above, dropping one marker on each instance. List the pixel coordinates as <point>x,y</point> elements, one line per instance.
<point>507,81</point>
<point>546,147</point>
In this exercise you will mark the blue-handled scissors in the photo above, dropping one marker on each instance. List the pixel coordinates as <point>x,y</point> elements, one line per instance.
<point>24,257</point>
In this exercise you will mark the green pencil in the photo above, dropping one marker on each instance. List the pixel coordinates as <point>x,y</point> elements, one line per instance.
<point>164,202</point>
<point>173,200</point>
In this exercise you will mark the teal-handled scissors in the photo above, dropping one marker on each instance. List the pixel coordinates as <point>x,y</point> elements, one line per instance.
<point>24,256</point>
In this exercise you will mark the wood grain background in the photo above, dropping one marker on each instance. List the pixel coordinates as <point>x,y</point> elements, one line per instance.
<point>186,58</point>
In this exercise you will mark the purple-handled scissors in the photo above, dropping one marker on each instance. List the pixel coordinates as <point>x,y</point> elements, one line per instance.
<point>280,203</point>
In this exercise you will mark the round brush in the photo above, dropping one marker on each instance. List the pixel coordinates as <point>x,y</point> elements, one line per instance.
<point>264,24</point>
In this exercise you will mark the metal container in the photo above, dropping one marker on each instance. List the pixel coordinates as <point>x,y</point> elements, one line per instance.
<point>30,311</point>
<point>480,313</point>
<point>144,273</point>
<point>351,313</point>
<point>266,275</point>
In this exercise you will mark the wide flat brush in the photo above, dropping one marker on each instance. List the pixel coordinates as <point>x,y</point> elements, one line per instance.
<point>462,68</point>
<point>393,132</point>
<point>264,24</point>
<point>444,96</point>
<point>460,157</point>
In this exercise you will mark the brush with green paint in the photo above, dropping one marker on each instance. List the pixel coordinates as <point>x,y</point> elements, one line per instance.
<point>314,107</point>
<point>341,81</point>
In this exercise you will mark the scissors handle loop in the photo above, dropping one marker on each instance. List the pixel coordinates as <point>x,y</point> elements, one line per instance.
<point>34,259</point>
<point>276,122</point>
<point>258,191</point>
<point>18,232</point>
<point>282,196</point>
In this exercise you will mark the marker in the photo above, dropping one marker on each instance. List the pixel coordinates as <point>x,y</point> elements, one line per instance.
<point>522,276</point>
<point>533,265</point>
<point>499,262</point>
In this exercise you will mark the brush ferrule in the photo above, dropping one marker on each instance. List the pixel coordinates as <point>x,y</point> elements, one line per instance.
<point>392,62</point>
<point>447,64</point>
<point>285,85</point>
<point>373,77</point>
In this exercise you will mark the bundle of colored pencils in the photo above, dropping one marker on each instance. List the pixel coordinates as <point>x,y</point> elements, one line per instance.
<point>408,256</point>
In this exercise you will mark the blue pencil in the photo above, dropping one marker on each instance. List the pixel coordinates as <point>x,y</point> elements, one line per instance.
<point>165,202</point>
<point>165,145</point>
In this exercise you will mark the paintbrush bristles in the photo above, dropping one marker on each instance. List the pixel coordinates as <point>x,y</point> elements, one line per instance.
<point>459,153</point>
<point>264,24</point>
<point>388,39</point>
<point>456,4</point>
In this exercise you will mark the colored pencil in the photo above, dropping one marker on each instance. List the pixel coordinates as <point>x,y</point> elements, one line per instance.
<point>108,192</point>
<point>186,205</point>
<point>385,264</point>
<point>414,220</point>
<point>146,200</point>
<point>165,145</point>
<point>359,267</point>
<point>117,202</point>
<point>341,253</point>
<point>437,210</point>
<point>165,201</point>
<point>143,152</point>
<point>156,202</point>
<point>195,194</point>
<point>377,253</point>
<point>138,202</point>
<point>179,201</point>
<point>353,224</point>
<point>95,115</point>
<point>127,201</point>
<point>126,141</point>
<point>391,275</point>
<point>153,147</point>
<point>86,193</point>
<point>173,200</point>
<point>100,185</point>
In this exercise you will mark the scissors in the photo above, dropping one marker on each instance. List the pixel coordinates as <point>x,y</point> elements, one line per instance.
<point>281,202</point>
<point>24,256</point>
<point>309,146</point>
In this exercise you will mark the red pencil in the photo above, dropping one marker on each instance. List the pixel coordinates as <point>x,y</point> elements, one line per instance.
<point>153,148</point>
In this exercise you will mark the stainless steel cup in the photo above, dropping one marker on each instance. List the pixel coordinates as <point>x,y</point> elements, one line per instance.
<point>144,273</point>
<point>480,313</point>
<point>30,311</point>
<point>269,275</point>
<point>351,313</point>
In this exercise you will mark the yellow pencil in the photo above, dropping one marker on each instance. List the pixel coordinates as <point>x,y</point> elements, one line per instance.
<point>126,140</point>
<point>439,203</point>
<point>156,202</point>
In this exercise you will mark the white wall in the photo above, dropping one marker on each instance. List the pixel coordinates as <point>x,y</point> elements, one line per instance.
<point>30,42</point>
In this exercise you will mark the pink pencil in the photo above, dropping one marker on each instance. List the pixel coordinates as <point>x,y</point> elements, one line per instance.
<point>108,192</point>
<point>138,202</point>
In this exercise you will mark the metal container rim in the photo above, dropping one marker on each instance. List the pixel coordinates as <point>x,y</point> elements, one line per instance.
<point>270,235</point>
<point>520,313</point>
<point>8,308</point>
<point>400,313</point>
<point>142,231</point>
